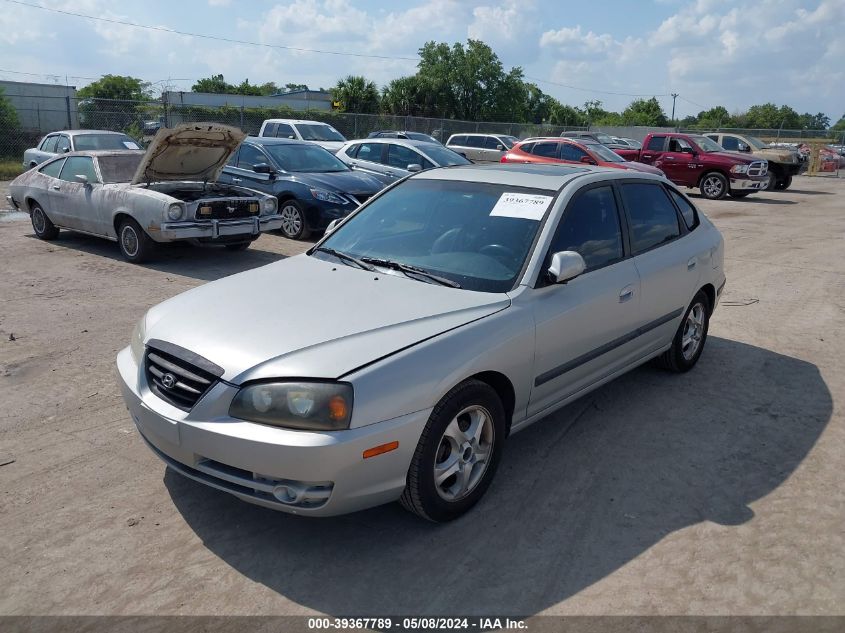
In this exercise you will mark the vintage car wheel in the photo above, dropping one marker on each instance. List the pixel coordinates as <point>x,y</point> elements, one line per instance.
<point>714,186</point>
<point>690,338</point>
<point>41,224</point>
<point>784,184</point>
<point>135,245</point>
<point>457,454</point>
<point>240,246</point>
<point>293,220</point>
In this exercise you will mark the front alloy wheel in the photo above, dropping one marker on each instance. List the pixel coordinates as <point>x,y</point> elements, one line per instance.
<point>293,220</point>
<point>464,453</point>
<point>714,186</point>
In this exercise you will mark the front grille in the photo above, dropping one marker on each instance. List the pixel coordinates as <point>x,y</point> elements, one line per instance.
<point>758,168</point>
<point>227,209</point>
<point>177,375</point>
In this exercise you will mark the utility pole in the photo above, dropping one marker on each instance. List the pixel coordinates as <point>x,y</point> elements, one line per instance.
<point>674,96</point>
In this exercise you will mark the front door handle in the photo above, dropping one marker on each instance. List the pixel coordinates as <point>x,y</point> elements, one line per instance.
<point>626,294</point>
<point>56,188</point>
<point>691,263</point>
<point>237,180</point>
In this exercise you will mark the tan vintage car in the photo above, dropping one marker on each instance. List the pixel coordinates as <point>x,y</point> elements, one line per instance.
<point>137,199</point>
<point>784,163</point>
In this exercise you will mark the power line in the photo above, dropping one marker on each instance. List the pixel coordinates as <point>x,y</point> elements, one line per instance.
<point>208,37</point>
<point>605,92</point>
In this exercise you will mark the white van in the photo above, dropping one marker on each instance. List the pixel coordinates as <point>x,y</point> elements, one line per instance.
<point>316,132</point>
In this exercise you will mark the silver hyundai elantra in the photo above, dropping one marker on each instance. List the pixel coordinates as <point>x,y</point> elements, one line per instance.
<point>393,359</point>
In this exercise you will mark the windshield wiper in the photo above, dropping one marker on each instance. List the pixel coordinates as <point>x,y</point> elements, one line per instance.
<point>410,270</point>
<point>343,256</point>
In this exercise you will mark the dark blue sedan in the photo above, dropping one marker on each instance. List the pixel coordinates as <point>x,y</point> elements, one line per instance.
<point>313,187</point>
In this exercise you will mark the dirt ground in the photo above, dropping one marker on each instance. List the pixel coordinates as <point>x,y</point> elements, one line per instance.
<point>716,492</point>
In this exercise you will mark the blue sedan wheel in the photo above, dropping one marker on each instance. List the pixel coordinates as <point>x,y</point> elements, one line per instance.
<point>293,220</point>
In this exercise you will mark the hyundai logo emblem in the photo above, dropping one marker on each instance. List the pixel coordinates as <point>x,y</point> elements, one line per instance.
<point>168,380</point>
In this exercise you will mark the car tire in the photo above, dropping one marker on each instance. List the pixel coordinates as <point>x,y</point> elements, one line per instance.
<point>771,181</point>
<point>135,245</point>
<point>294,226</point>
<point>713,186</point>
<point>739,194</point>
<point>240,246</point>
<point>689,340</point>
<point>42,226</point>
<point>464,460</point>
<point>784,184</point>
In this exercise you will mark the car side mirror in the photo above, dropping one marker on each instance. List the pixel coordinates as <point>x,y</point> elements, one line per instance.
<point>587,160</point>
<point>332,225</point>
<point>565,266</point>
<point>82,179</point>
<point>414,167</point>
<point>687,150</point>
<point>263,168</point>
<point>500,147</point>
<point>742,147</point>
<point>65,150</point>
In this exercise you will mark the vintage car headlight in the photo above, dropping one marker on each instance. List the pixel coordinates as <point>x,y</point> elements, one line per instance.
<point>739,169</point>
<point>328,196</point>
<point>268,206</point>
<point>309,406</point>
<point>136,344</point>
<point>175,211</point>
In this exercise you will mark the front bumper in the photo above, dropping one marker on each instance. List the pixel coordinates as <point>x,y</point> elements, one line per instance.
<point>213,229</point>
<point>747,184</point>
<point>301,472</point>
<point>11,202</point>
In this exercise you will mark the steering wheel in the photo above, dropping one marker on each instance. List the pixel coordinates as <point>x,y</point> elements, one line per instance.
<point>502,253</point>
<point>447,242</point>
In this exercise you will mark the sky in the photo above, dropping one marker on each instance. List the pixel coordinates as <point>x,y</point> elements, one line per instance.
<point>710,52</point>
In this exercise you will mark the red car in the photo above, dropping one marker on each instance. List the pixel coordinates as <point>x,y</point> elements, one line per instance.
<point>565,150</point>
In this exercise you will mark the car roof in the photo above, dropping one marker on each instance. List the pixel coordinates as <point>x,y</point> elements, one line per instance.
<point>479,134</point>
<point>275,140</point>
<point>78,132</point>
<point>306,121</point>
<point>410,142</point>
<point>101,152</point>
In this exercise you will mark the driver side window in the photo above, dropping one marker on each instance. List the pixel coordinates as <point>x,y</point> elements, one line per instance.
<point>590,227</point>
<point>678,145</point>
<point>250,156</point>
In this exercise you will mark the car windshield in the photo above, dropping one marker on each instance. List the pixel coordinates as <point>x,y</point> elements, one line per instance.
<point>319,132</point>
<point>301,157</point>
<point>443,156</point>
<point>707,145</point>
<point>83,142</point>
<point>475,234</point>
<point>606,154</point>
<point>120,167</point>
<point>756,143</point>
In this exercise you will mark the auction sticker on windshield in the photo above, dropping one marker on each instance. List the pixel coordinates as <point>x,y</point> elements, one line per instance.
<point>527,206</point>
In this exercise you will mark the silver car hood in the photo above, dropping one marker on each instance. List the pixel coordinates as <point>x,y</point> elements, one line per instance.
<point>307,317</point>
<point>190,151</point>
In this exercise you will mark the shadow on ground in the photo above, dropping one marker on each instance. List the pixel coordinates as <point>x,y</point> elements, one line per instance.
<point>578,495</point>
<point>179,258</point>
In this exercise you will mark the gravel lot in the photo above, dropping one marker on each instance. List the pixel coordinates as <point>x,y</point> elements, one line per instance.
<point>716,492</point>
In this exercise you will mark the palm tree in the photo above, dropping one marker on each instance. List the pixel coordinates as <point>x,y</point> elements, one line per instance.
<point>356,94</point>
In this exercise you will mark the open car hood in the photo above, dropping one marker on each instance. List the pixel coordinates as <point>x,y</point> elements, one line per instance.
<point>190,151</point>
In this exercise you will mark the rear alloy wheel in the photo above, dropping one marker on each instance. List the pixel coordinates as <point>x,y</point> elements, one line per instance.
<point>714,186</point>
<point>135,245</point>
<point>457,454</point>
<point>784,183</point>
<point>41,224</point>
<point>690,338</point>
<point>293,220</point>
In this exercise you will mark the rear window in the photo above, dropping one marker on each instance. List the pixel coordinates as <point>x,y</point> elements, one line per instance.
<point>458,140</point>
<point>475,141</point>
<point>656,143</point>
<point>688,211</point>
<point>84,142</point>
<point>53,169</point>
<point>652,216</point>
<point>547,150</point>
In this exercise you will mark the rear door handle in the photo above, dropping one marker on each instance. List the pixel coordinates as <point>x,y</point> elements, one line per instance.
<point>626,294</point>
<point>691,263</point>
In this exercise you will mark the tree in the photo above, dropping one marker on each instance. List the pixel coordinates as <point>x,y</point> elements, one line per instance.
<point>715,118</point>
<point>769,116</point>
<point>566,115</point>
<point>118,87</point>
<point>356,94</point>
<point>215,84</point>
<point>401,96</point>
<point>293,87</point>
<point>818,121</point>
<point>645,112</point>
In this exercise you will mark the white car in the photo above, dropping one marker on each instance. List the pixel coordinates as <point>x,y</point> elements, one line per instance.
<point>317,132</point>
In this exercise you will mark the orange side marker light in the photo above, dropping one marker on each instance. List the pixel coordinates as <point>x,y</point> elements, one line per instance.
<point>378,450</point>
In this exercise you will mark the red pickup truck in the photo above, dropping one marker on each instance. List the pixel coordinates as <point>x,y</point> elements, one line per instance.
<point>692,160</point>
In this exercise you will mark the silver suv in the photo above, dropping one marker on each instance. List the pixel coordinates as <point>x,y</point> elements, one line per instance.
<point>481,148</point>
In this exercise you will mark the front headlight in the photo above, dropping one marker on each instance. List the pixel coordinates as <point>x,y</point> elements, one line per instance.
<point>739,169</point>
<point>136,345</point>
<point>328,196</point>
<point>309,406</point>
<point>175,211</point>
<point>268,206</point>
